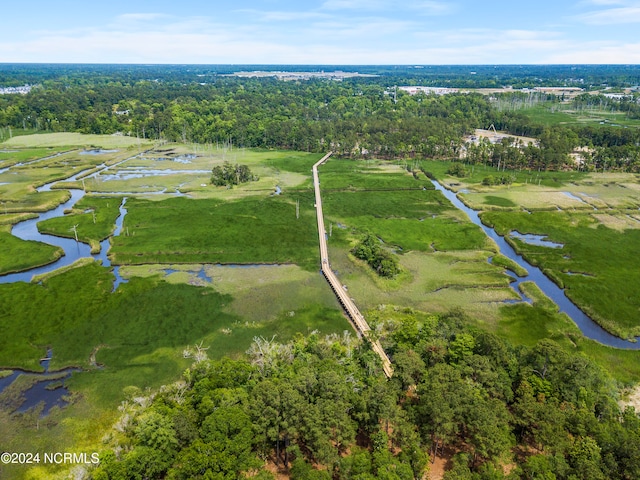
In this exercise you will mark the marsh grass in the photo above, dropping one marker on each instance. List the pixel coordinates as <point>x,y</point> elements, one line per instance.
<point>11,157</point>
<point>106,211</point>
<point>250,230</point>
<point>420,220</point>
<point>502,261</point>
<point>142,330</point>
<point>434,282</point>
<point>606,286</point>
<point>64,139</point>
<point>17,255</point>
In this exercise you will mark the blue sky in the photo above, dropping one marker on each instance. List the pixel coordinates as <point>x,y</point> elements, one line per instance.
<point>321,32</point>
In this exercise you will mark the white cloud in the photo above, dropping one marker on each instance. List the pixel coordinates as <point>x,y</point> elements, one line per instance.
<point>432,7</point>
<point>613,12</point>
<point>599,54</point>
<point>606,2</point>
<point>324,38</point>
<point>284,16</point>
<point>141,17</point>
<point>367,5</point>
<point>612,16</point>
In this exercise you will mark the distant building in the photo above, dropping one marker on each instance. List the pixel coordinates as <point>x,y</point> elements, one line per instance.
<point>292,76</point>
<point>428,90</point>
<point>558,90</point>
<point>23,90</point>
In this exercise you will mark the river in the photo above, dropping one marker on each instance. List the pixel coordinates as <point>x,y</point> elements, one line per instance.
<point>587,326</point>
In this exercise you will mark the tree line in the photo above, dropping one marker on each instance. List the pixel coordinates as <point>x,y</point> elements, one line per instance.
<point>356,118</point>
<point>320,408</point>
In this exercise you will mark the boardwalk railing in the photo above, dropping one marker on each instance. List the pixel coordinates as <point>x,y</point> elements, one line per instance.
<point>357,318</point>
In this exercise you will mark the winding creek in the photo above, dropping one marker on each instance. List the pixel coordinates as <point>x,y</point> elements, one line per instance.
<point>587,326</point>
<point>73,250</point>
<point>49,386</point>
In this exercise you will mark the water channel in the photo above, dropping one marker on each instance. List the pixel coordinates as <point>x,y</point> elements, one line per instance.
<point>73,250</point>
<point>587,326</point>
<point>52,392</point>
<point>48,387</point>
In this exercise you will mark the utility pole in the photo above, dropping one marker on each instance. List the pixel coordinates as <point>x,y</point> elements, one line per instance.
<point>75,231</point>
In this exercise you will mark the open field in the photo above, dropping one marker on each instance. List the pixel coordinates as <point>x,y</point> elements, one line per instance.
<point>251,230</point>
<point>65,139</point>
<point>555,114</point>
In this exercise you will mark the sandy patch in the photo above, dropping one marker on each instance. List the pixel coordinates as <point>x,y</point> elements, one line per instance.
<point>631,398</point>
<point>498,136</point>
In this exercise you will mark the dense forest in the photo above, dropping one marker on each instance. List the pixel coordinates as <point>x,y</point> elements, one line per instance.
<point>320,408</point>
<point>357,117</point>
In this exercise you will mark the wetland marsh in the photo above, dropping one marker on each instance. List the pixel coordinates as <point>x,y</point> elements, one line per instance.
<point>178,241</point>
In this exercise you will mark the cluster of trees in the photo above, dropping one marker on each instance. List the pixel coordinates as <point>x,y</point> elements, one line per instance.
<point>320,408</point>
<point>371,251</point>
<point>351,118</point>
<point>288,405</point>
<point>457,170</point>
<point>498,180</point>
<point>228,174</point>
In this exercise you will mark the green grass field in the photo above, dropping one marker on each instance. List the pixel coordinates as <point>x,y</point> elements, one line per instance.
<point>250,230</point>
<point>553,114</point>
<point>595,265</point>
<point>94,216</point>
<point>139,332</point>
<point>17,255</point>
<point>65,139</point>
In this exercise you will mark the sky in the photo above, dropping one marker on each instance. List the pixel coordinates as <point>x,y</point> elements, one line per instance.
<point>327,32</point>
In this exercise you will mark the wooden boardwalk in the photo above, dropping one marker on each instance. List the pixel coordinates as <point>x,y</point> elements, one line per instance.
<point>357,318</point>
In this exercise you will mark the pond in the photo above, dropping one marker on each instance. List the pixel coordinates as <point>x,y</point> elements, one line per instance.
<point>48,387</point>
<point>533,239</point>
